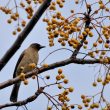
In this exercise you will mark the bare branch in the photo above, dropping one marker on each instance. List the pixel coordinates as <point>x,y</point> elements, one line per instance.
<point>23,102</point>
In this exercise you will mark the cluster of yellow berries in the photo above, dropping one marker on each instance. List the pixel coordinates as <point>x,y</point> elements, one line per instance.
<point>104,82</point>
<point>107,79</point>
<point>22,77</point>
<point>86,101</point>
<point>25,81</point>
<point>103,6</point>
<point>107,107</point>
<point>32,65</point>
<point>15,16</point>
<point>106,34</point>
<point>29,11</point>
<point>102,57</point>
<point>60,3</point>
<point>28,7</point>
<point>59,26</point>
<point>29,2</point>
<point>63,96</point>
<point>90,105</point>
<point>61,76</point>
<point>5,10</point>
<point>104,60</point>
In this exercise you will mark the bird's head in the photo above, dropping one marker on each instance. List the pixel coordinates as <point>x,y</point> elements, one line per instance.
<point>37,46</point>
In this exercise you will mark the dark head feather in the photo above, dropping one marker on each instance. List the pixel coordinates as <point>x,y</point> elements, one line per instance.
<point>37,46</point>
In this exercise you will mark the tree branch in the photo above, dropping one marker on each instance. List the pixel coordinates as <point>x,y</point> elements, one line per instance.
<point>23,102</point>
<point>24,33</point>
<point>51,66</point>
<point>87,24</point>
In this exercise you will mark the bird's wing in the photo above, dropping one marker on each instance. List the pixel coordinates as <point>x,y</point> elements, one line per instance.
<point>19,60</point>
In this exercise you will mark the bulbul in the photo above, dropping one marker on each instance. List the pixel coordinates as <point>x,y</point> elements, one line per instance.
<point>28,56</point>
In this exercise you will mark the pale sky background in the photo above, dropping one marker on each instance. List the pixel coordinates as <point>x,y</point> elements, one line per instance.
<point>80,76</point>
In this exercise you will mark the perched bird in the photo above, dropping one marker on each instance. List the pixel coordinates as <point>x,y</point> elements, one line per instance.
<point>29,55</point>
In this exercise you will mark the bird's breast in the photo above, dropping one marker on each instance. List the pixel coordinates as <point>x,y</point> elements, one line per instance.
<point>30,57</point>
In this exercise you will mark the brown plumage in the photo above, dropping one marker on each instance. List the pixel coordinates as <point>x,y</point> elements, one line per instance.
<point>30,55</point>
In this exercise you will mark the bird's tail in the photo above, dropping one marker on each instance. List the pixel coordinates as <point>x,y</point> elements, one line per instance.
<point>14,93</point>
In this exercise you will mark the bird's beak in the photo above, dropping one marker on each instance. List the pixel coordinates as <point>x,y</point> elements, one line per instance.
<point>42,46</point>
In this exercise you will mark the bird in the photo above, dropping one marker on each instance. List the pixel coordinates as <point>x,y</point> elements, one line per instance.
<point>29,55</point>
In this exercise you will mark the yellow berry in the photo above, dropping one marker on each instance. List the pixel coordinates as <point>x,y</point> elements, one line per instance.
<point>96,105</point>
<point>14,33</point>
<point>86,104</point>
<point>84,33</point>
<point>100,40</point>
<point>63,43</point>
<point>61,5</point>
<point>88,100</point>
<point>32,65</point>
<point>22,4</point>
<point>108,77</point>
<point>83,96</point>
<point>102,6</point>
<point>22,76</point>
<point>94,84</point>
<point>72,11</point>
<point>23,23</point>
<point>103,52</point>
<point>21,68</point>
<point>100,2</point>
<point>76,1</point>
<point>71,89</point>
<point>66,92</point>
<point>86,42</point>
<point>26,82</point>
<point>59,86</point>
<point>106,45</point>
<point>65,81</point>
<point>49,108</point>
<point>107,9</point>
<point>51,44</point>
<point>58,1</point>
<point>45,65</point>
<point>64,108</point>
<point>17,14</point>
<point>90,34</point>
<point>60,70</point>
<point>9,21</point>
<point>79,107</point>
<point>80,36</point>
<point>95,44</point>
<point>34,77</point>
<point>99,79</point>
<point>62,76</point>
<point>58,77</point>
<point>67,99</point>
<point>84,46</point>
<point>18,29</point>
<point>87,30</point>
